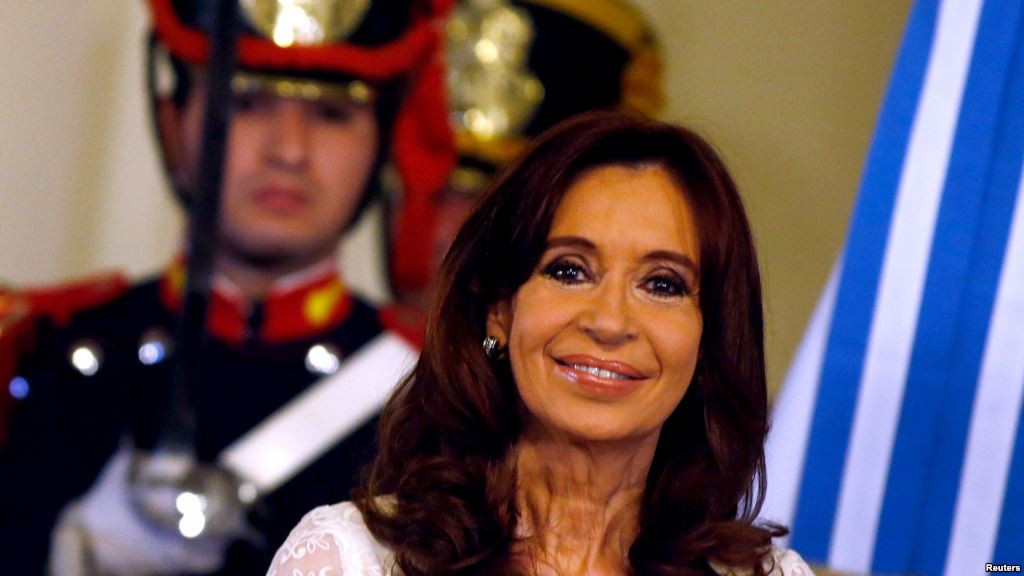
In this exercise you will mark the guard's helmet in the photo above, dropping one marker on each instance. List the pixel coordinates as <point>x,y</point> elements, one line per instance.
<point>388,50</point>
<point>515,69</point>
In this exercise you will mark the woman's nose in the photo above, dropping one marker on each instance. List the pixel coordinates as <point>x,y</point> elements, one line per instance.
<point>608,317</point>
<point>288,140</point>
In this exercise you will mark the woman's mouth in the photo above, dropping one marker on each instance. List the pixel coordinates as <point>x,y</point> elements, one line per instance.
<point>598,377</point>
<point>599,372</point>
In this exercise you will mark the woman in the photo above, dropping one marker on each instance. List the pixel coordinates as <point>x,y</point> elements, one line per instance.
<point>613,421</point>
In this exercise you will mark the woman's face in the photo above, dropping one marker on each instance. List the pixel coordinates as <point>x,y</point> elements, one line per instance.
<point>603,338</point>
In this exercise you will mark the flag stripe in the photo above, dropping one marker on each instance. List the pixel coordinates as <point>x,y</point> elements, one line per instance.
<point>896,311</point>
<point>833,414</point>
<point>787,439</point>
<point>951,254</point>
<point>972,328</point>
<point>996,411</point>
<point>1010,539</point>
<point>994,420</point>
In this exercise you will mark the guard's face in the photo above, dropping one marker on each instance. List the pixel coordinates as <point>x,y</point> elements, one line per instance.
<point>603,339</point>
<point>295,172</point>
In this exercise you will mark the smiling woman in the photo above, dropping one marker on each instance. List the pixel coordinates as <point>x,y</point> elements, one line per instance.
<point>613,422</point>
<point>603,338</point>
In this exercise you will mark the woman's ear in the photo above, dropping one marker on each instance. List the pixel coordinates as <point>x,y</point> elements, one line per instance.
<point>499,322</point>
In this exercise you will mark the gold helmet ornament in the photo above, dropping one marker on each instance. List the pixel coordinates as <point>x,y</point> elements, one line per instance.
<point>304,22</point>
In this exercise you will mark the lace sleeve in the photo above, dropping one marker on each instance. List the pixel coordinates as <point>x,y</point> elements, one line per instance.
<point>329,541</point>
<point>781,563</point>
<point>790,563</point>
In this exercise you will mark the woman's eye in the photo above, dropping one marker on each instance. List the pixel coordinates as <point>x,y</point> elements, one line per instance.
<point>666,286</point>
<point>566,272</point>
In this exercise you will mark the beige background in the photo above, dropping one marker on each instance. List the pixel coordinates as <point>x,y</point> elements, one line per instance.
<point>789,90</point>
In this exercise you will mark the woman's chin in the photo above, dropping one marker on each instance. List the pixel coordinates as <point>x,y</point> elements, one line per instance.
<point>595,427</point>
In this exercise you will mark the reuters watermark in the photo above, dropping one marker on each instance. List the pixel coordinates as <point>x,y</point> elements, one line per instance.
<point>989,567</point>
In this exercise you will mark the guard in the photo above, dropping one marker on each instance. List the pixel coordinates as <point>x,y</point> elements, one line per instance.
<point>326,93</point>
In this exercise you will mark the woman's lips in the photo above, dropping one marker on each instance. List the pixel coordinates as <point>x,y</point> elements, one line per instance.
<point>280,198</point>
<point>598,377</point>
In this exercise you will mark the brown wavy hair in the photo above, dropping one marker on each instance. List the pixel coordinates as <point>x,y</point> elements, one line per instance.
<point>441,491</point>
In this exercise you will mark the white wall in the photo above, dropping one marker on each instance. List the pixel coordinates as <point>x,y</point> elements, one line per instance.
<point>79,183</point>
<point>788,89</point>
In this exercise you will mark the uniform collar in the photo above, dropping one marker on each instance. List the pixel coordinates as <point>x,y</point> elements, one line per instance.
<point>298,306</point>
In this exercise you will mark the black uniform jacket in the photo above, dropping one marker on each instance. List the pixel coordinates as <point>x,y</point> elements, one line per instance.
<point>74,414</point>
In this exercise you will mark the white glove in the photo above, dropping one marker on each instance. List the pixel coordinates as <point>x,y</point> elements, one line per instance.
<point>101,534</point>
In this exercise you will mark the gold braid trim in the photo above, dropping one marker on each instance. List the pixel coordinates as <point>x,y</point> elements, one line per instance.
<point>354,91</point>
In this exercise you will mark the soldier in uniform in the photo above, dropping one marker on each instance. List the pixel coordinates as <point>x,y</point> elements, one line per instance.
<point>515,69</point>
<point>326,92</point>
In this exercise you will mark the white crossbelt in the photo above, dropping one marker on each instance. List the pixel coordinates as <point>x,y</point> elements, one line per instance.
<point>303,429</point>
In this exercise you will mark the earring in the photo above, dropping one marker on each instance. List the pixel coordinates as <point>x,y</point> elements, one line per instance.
<point>490,347</point>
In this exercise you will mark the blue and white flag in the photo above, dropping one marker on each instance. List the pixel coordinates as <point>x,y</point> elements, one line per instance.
<point>897,444</point>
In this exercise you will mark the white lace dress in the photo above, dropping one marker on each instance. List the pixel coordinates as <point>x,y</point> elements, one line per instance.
<point>334,541</point>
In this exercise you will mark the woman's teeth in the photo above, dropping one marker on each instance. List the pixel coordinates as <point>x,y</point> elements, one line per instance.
<point>599,372</point>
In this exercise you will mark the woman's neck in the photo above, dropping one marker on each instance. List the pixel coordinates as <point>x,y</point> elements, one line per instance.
<point>579,503</point>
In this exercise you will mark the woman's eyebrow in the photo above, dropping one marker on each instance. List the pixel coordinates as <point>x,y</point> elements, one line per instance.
<point>584,244</point>
<point>672,256</point>
<point>571,242</point>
